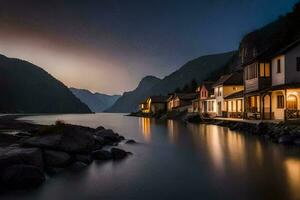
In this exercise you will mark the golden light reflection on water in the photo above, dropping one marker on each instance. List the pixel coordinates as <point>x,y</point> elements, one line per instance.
<point>215,142</point>
<point>236,149</point>
<point>173,131</point>
<point>145,125</point>
<point>225,147</point>
<point>293,176</point>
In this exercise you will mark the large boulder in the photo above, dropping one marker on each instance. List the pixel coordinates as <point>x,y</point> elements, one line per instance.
<point>56,158</point>
<point>87,159</point>
<point>108,135</point>
<point>102,155</point>
<point>118,153</point>
<point>67,138</point>
<point>15,155</point>
<point>21,177</point>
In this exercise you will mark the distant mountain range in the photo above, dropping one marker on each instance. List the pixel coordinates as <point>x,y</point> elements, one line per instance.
<point>26,88</point>
<point>210,66</point>
<point>97,102</point>
<point>130,100</point>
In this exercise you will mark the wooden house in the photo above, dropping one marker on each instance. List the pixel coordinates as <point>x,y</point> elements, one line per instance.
<point>225,86</point>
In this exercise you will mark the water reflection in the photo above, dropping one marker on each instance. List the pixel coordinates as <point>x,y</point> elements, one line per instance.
<point>293,176</point>
<point>201,160</point>
<point>173,131</point>
<point>145,126</point>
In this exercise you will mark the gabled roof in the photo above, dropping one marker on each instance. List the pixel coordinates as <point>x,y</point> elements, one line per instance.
<point>271,53</point>
<point>235,78</point>
<point>158,99</point>
<point>186,96</point>
<point>239,94</point>
<point>208,85</point>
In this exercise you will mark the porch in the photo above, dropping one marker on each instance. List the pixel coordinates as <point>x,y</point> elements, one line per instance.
<point>276,104</point>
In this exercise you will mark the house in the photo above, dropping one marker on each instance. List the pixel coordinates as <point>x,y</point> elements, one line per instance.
<point>225,86</point>
<point>143,107</point>
<point>234,105</point>
<point>206,92</point>
<point>156,104</point>
<point>181,101</point>
<point>272,84</point>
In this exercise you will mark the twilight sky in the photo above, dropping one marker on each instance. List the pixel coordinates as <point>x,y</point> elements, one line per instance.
<point>109,45</point>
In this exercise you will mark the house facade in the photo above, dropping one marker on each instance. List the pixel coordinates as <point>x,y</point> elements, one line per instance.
<point>234,105</point>
<point>272,85</point>
<point>225,86</point>
<point>154,105</point>
<point>181,101</point>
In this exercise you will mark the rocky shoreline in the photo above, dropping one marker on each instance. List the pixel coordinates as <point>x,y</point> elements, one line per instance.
<point>286,133</point>
<point>37,151</point>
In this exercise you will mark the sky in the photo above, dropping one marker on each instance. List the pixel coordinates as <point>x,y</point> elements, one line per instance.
<point>108,46</point>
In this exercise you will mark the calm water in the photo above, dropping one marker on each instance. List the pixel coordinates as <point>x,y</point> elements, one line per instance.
<point>177,161</point>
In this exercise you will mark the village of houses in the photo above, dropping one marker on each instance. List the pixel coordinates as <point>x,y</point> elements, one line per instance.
<point>267,88</point>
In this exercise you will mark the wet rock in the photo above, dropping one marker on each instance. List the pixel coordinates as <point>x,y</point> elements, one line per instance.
<point>108,135</point>
<point>84,158</point>
<point>23,134</point>
<point>121,138</point>
<point>22,177</point>
<point>131,142</point>
<point>67,138</point>
<point>118,153</point>
<point>16,156</point>
<point>77,166</point>
<point>102,155</point>
<point>56,158</point>
<point>100,128</point>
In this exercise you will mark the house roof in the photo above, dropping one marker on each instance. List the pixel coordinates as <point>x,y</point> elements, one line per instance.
<point>208,85</point>
<point>186,96</point>
<point>236,95</point>
<point>235,78</point>
<point>273,52</point>
<point>158,99</point>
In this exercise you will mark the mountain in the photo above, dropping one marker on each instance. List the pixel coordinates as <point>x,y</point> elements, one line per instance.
<point>26,88</point>
<point>204,67</point>
<point>129,100</point>
<point>97,102</point>
<point>272,37</point>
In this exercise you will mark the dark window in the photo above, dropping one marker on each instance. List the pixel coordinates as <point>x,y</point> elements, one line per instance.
<point>298,64</point>
<point>280,101</point>
<point>278,66</point>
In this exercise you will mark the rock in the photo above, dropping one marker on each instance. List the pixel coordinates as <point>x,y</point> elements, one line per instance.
<point>87,159</point>
<point>67,138</point>
<point>102,155</point>
<point>100,128</point>
<point>108,135</point>
<point>22,177</point>
<point>23,134</point>
<point>77,166</point>
<point>286,139</point>
<point>118,153</point>
<point>99,140</point>
<point>56,159</point>
<point>130,142</point>
<point>121,138</point>
<point>17,156</point>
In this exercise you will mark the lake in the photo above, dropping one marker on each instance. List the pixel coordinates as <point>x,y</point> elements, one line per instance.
<point>175,160</point>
